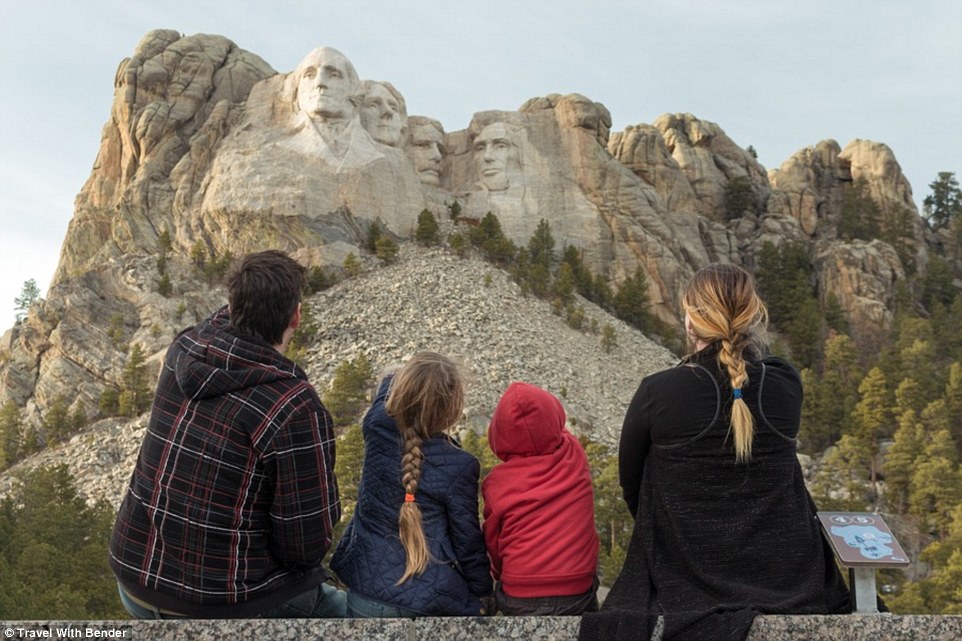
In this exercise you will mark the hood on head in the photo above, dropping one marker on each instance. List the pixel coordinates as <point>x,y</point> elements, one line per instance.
<point>527,421</point>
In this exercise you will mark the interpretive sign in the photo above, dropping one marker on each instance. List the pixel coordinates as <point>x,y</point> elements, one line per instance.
<point>862,539</point>
<point>862,542</point>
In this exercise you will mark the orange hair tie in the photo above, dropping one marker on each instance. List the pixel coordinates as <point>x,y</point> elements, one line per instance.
<point>409,498</point>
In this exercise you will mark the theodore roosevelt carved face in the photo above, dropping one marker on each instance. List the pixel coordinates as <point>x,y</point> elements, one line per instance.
<point>326,85</point>
<point>495,154</point>
<point>425,147</point>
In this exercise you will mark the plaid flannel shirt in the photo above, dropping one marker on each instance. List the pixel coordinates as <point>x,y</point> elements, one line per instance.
<point>233,499</point>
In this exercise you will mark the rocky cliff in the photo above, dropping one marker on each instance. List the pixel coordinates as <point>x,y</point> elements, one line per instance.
<point>210,147</point>
<point>429,299</point>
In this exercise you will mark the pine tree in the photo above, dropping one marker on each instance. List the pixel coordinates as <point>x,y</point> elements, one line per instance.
<point>842,469</point>
<point>830,396</point>
<point>944,204</point>
<point>898,231</point>
<point>585,283</point>
<point>786,281</point>
<point>373,234</point>
<point>56,420</point>
<point>953,403</point>
<point>901,459</point>
<point>11,427</point>
<point>56,544</point>
<point>937,283</point>
<point>631,302</point>
<point>922,360</point>
<point>860,215</point>
<point>835,317</point>
<point>936,486</point>
<point>908,398</point>
<point>871,421</point>
<point>352,265</point>
<point>612,519</point>
<point>541,245</point>
<point>609,339</point>
<point>164,286</point>
<point>563,287</point>
<point>317,280</point>
<point>198,254</point>
<point>134,387</point>
<point>454,210</point>
<point>458,244</point>
<point>386,249</point>
<point>478,445</point>
<point>347,395</point>
<point>348,466</point>
<point>490,239</point>
<point>427,233</point>
<point>29,294</point>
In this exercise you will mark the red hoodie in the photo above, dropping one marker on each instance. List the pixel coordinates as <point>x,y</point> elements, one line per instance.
<point>539,522</point>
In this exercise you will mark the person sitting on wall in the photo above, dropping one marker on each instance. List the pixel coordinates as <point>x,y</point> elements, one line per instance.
<point>539,513</point>
<point>725,528</point>
<point>233,500</point>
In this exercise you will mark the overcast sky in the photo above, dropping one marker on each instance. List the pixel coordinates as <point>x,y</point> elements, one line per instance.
<point>777,75</point>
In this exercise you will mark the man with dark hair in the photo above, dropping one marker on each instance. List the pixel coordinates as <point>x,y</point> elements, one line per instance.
<point>233,499</point>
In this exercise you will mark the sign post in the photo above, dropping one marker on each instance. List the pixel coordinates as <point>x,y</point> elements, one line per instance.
<point>863,543</point>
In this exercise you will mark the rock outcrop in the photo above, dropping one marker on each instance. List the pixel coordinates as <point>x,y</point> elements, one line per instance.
<point>208,146</point>
<point>431,300</point>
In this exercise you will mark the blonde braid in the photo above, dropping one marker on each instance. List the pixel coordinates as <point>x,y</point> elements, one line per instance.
<point>410,528</point>
<point>722,306</point>
<point>427,397</point>
<point>742,422</point>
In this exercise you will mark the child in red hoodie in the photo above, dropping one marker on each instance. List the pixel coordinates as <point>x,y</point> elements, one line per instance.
<point>539,521</point>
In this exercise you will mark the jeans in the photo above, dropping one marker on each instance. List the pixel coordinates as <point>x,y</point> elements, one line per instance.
<point>324,601</point>
<point>362,607</point>
<point>140,610</point>
<point>548,605</point>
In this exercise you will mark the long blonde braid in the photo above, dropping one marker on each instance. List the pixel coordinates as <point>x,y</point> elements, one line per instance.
<point>426,399</point>
<point>410,528</point>
<point>723,306</point>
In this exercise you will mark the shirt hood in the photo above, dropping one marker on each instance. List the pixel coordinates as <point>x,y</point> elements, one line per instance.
<point>213,359</point>
<point>528,421</point>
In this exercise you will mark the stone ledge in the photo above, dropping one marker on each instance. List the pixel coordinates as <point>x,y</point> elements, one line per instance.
<point>768,628</point>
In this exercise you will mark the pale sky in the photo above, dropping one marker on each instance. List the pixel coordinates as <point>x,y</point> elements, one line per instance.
<point>779,75</point>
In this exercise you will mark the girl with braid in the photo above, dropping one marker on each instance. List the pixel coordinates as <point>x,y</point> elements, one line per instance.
<point>414,546</point>
<point>724,526</point>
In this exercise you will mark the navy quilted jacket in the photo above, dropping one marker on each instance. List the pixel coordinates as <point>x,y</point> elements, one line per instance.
<point>370,558</point>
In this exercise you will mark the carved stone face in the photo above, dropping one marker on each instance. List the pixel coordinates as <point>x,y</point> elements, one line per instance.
<point>494,151</point>
<point>381,115</point>
<point>325,83</point>
<point>425,152</point>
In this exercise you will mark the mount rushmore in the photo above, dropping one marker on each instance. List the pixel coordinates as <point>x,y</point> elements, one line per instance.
<point>207,145</point>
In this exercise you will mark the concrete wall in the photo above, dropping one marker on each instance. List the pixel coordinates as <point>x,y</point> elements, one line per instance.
<point>884,627</point>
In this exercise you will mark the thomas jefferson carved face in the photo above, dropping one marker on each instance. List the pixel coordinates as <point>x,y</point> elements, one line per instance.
<point>382,113</point>
<point>425,149</point>
<point>326,81</point>
<point>494,153</point>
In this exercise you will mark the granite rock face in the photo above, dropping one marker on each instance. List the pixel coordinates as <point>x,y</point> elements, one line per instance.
<point>209,145</point>
<point>428,300</point>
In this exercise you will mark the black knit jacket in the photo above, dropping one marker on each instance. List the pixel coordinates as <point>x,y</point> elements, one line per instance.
<point>715,542</point>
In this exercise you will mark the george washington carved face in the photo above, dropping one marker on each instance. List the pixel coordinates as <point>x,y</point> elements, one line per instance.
<point>326,83</point>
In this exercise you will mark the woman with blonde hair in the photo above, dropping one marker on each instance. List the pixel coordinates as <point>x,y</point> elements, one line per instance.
<point>724,526</point>
<point>414,546</point>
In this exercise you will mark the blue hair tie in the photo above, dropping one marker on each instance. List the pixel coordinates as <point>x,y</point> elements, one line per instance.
<point>737,393</point>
